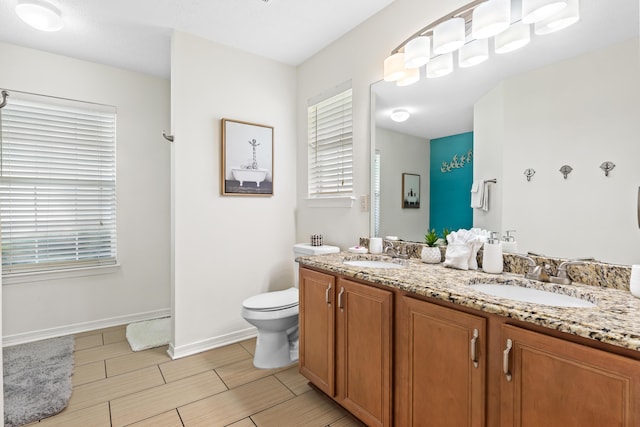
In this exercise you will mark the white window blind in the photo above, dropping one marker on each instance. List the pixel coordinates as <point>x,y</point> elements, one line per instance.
<point>57,184</point>
<point>331,146</point>
<point>376,194</point>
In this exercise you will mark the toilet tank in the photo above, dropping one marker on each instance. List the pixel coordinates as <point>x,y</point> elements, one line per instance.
<point>305,249</point>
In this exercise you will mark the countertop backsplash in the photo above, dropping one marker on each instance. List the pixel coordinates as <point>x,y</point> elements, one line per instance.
<point>592,273</point>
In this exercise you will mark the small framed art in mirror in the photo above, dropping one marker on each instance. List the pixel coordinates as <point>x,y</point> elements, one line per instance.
<point>410,190</point>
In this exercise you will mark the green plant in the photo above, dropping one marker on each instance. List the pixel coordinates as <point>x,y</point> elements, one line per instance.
<point>431,237</point>
<point>445,233</point>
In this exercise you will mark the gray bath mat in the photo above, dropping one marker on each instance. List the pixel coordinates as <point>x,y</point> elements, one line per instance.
<point>37,379</point>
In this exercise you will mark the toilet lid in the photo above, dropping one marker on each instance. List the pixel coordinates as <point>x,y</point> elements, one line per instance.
<point>269,301</point>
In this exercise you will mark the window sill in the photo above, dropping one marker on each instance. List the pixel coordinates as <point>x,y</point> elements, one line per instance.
<point>14,279</point>
<point>331,202</point>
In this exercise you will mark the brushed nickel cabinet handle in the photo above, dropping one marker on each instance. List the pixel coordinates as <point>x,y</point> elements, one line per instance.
<point>505,359</point>
<point>638,207</point>
<point>474,350</point>
<point>326,294</point>
<point>340,299</point>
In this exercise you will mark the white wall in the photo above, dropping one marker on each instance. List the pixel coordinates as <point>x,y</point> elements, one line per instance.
<point>565,114</point>
<point>488,141</point>
<point>226,248</point>
<point>139,288</point>
<point>401,153</point>
<point>358,56</point>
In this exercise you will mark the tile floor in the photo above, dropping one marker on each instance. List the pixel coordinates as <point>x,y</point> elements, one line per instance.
<point>113,386</point>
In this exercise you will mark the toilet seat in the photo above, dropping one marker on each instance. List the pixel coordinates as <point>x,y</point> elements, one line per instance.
<point>272,301</point>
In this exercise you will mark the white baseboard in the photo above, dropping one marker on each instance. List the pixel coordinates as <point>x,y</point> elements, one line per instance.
<point>210,343</point>
<point>82,327</point>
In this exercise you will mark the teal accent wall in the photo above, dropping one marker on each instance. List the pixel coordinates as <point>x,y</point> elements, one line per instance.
<point>451,176</point>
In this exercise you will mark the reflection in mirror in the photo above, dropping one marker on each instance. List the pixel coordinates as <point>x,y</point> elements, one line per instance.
<point>569,97</point>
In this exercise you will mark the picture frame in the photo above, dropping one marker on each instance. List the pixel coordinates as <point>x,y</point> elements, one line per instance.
<point>410,191</point>
<point>247,159</point>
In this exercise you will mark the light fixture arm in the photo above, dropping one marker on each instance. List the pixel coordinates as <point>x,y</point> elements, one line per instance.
<point>463,12</point>
<point>5,95</point>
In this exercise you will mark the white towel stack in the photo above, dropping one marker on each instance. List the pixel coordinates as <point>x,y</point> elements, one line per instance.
<point>462,248</point>
<point>480,195</point>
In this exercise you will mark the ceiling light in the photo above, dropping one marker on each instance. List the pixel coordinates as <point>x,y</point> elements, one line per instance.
<point>440,66</point>
<point>399,116</point>
<point>473,53</point>
<point>417,52</point>
<point>448,36</point>
<point>40,14</point>
<point>412,75</point>
<point>537,10</point>
<point>490,18</point>
<point>561,20</point>
<point>394,67</point>
<point>518,35</point>
<point>474,24</point>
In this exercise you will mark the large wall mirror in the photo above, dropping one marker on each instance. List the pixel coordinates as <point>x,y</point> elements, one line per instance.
<point>567,98</point>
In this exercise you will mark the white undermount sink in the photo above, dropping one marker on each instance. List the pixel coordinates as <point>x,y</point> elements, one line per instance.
<point>536,296</point>
<point>368,263</point>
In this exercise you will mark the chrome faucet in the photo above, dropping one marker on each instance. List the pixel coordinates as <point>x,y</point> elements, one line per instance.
<point>534,272</point>
<point>563,278</point>
<point>390,250</point>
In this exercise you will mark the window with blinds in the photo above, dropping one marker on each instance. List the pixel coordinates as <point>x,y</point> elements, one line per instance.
<point>376,194</point>
<point>331,146</point>
<point>57,184</point>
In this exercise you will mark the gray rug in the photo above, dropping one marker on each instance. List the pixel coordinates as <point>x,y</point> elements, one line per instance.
<point>37,379</point>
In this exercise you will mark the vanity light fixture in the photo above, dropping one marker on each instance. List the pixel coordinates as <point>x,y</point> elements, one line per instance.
<point>537,10</point>
<point>518,35</point>
<point>411,76</point>
<point>417,52</point>
<point>399,115</point>
<point>563,19</point>
<point>491,18</point>
<point>473,53</point>
<point>448,36</point>
<point>440,66</point>
<point>40,14</point>
<point>394,67</point>
<point>468,29</point>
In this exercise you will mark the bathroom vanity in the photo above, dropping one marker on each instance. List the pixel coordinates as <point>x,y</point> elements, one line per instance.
<point>417,345</point>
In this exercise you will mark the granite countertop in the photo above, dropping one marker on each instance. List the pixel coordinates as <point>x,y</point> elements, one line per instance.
<point>615,320</point>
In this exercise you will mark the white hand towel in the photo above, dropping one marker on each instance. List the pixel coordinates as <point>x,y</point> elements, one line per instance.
<point>464,245</point>
<point>480,195</point>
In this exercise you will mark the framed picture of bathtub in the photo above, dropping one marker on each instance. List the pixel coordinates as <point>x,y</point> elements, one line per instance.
<point>410,190</point>
<point>247,159</point>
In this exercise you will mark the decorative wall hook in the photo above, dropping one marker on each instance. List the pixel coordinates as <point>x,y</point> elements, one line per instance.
<point>529,173</point>
<point>566,170</point>
<point>5,95</point>
<point>607,167</point>
<point>167,137</point>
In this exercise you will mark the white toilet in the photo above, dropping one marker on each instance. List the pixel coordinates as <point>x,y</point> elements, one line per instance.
<point>275,315</point>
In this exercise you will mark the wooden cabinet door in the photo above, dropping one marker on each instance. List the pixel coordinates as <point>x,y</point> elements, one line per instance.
<point>364,351</point>
<point>554,383</point>
<point>317,325</point>
<point>446,356</point>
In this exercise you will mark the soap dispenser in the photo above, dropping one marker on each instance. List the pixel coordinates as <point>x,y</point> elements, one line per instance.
<point>509,244</point>
<point>492,255</point>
